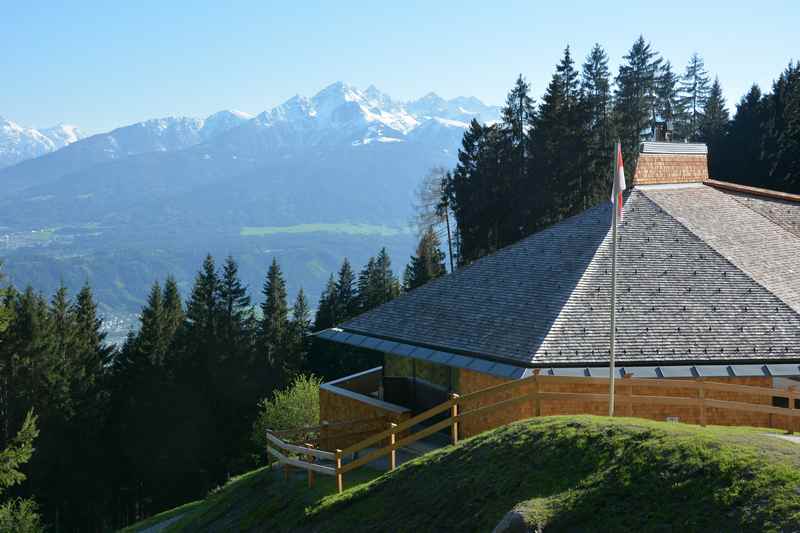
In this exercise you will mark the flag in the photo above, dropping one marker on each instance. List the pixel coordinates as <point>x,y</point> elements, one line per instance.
<point>619,183</point>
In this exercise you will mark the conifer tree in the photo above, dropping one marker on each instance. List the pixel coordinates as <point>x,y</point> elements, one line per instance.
<point>668,101</point>
<point>275,320</point>
<point>299,329</point>
<point>151,342</point>
<point>714,125</point>
<point>325,316</point>
<point>782,137</point>
<point>345,298</point>
<point>234,307</point>
<point>635,98</point>
<point>18,515</point>
<point>596,94</point>
<point>203,306</point>
<point>173,307</point>
<point>694,91</point>
<point>427,264</point>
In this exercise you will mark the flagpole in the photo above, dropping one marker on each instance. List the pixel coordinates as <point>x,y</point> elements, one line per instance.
<point>613,288</point>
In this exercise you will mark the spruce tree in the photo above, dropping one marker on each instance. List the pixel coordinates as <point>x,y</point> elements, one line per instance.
<point>345,297</point>
<point>635,98</point>
<point>714,125</point>
<point>151,342</point>
<point>782,136</point>
<point>234,307</point>
<point>274,321</point>
<point>173,308</point>
<point>668,101</point>
<point>203,306</point>
<point>596,94</point>
<point>741,158</point>
<point>16,514</point>
<point>694,91</point>
<point>299,330</point>
<point>427,264</point>
<point>326,313</point>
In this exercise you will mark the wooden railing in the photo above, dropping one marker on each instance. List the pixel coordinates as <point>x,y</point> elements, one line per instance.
<point>408,432</point>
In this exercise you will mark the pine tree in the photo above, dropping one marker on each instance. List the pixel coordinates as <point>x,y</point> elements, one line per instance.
<point>150,342</point>
<point>234,307</point>
<point>275,320</point>
<point>203,306</point>
<point>668,101</point>
<point>635,98</point>
<point>427,264</point>
<point>694,91</point>
<point>782,136</point>
<point>173,308</point>
<point>326,313</point>
<point>596,94</point>
<point>299,329</point>
<point>344,302</point>
<point>17,514</point>
<point>714,125</point>
<point>559,146</point>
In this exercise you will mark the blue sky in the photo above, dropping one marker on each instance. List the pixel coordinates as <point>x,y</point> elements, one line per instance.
<point>101,64</point>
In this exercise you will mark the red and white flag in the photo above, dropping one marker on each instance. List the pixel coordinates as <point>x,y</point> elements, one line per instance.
<point>619,183</point>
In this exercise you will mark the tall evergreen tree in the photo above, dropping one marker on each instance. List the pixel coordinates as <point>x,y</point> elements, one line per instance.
<point>173,307</point>
<point>782,136</point>
<point>714,125</point>
<point>596,94</point>
<point>234,308</point>
<point>668,102</point>
<point>299,330</point>
<point>694,94</point>
<point>427,264</point>
<point>275,321</point>
<point>344,303</point>
<point>326,310</point>
<point>635,98</point>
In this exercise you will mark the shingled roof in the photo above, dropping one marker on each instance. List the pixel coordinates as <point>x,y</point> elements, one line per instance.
<point>706,275</point>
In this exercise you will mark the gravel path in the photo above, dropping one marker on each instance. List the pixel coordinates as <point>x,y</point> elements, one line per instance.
<point>161,526</point>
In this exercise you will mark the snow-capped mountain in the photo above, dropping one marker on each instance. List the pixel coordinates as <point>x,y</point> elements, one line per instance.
<point>18,143</point>
<point>168,134</point>
<point>327,125</point>
<point>146,198</point>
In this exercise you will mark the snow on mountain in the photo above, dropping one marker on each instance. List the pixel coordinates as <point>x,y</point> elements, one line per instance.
<point>18,143</point>
<point>343,113</point>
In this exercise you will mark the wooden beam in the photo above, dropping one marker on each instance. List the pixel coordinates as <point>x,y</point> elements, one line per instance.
<point>319,454</point>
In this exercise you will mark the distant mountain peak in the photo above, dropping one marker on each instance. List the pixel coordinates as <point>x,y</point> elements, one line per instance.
<point>18,143</point>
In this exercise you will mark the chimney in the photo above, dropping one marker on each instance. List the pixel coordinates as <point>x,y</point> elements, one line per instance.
<point>662,163</point>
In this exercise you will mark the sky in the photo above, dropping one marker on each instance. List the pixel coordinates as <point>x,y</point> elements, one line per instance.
<point>101,65</point>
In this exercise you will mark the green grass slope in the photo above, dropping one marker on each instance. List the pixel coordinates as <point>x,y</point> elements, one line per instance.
<point>561,473</point>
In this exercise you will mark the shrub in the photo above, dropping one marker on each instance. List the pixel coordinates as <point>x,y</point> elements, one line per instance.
<point>295,407</point>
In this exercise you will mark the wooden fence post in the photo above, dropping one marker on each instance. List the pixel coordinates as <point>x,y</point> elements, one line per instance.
<point>339,481</point>
<point>628,395</point>
<point>537,402</point>
<point>701,397</point>
<point>311,474</point>
<point>392,442</point>
<point>454,413</point>
<point>792,420</point>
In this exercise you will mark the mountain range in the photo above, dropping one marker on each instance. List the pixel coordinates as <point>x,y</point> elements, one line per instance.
<point>18,143</point>
<point>341,166</point>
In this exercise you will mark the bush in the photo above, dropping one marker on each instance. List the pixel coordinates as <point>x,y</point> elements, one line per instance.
<point>293,408</point>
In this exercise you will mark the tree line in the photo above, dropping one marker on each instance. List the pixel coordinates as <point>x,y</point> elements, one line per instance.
<point>125,432</point>
<point>542,163</point>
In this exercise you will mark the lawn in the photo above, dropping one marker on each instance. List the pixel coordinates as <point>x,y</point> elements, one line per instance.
<point>577,473</point>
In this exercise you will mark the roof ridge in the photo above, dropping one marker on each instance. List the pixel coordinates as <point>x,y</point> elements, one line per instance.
<point>757,191</point>
<point>796,311</point>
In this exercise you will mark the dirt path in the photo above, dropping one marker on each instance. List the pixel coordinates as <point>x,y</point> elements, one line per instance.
<point>161,526</point>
